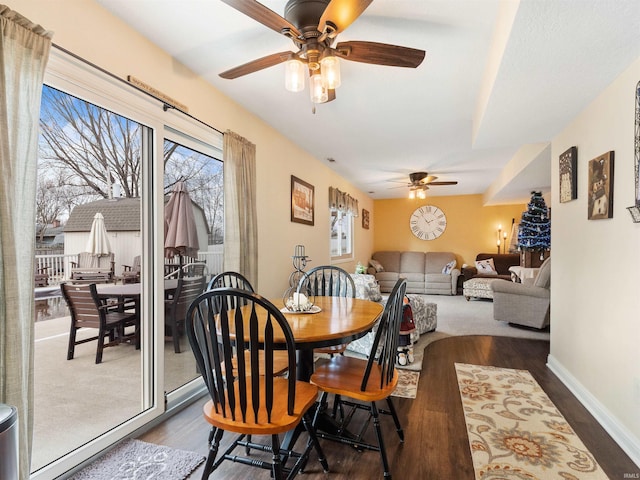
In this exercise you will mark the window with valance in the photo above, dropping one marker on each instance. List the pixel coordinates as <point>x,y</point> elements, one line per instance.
<point>342,209</point>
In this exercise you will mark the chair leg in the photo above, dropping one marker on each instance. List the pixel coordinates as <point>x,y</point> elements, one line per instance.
<point>213,452</point>
<point>72,343</point>
<point>100,346</point>
<point>313,440</point>
<point>176,337</point>
<point>396,420</point>
<point>276,462</point>
<point>378,429</point>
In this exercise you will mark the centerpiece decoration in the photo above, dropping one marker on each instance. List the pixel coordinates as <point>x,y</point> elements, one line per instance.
<point>294,300</point>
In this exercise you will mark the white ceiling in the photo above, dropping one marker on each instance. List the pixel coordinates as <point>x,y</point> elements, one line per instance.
<point>497,75</point>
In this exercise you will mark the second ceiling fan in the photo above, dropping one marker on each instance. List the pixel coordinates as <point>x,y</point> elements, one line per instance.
<point>313,25</point>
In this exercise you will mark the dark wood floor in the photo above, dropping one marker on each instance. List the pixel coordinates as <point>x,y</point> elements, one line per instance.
<point>436,445</point>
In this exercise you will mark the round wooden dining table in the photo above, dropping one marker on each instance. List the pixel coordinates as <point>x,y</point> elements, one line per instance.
<point>339,320</point>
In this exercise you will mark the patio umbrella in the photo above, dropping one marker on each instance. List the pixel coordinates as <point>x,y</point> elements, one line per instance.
<point>181,235</point>
<point>98,243</point>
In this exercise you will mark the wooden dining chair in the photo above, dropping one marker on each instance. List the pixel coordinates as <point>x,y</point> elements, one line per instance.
<point>176,307</point>
<point>368,380</point>
<point>89,311</point>
<point>243,399</point>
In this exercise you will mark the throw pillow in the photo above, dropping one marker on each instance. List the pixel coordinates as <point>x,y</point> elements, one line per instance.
<point>448,267</point>
<point>377,265</point>
<point>486,267</point>
<point>374,292</point>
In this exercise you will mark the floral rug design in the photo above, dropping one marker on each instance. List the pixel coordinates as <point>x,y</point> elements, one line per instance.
<point>407,384</point>
<point>515,431</point>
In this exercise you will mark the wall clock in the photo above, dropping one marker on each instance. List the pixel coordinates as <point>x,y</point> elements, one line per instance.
<point>428,222</point>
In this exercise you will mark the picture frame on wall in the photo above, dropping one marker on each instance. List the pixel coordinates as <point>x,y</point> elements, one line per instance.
<point>569,175</point>
<point>600,187</point>
<point>365,219</point>
<point>302,201</point>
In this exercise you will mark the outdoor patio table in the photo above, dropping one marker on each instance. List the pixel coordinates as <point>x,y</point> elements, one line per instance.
<point>131,291</point>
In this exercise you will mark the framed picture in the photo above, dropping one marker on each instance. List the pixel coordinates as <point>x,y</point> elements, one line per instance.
<point>365,219</point>
<point>302,201</point>
<point>569,175</point>
<point>601,187</point>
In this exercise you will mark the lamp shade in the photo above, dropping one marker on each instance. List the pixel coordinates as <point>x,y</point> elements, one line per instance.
<point>294,75</point>
<point>330,67</point>
<point>317,91</point>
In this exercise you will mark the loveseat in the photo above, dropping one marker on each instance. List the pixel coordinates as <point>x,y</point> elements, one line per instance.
<point>501,262</point>
<point>425,272</point>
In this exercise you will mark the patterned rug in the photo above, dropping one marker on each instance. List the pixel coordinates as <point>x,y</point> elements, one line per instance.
<point>407,384</point>
<point>515,432</point>
<point>134,459</point>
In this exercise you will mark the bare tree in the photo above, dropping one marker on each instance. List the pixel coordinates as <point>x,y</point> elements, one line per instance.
<point>97,146</point>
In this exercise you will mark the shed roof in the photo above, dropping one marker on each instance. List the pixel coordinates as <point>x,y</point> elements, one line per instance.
<point>120,215</point>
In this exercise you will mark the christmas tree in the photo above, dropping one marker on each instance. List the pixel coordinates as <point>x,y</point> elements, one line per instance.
<point>535,226</point>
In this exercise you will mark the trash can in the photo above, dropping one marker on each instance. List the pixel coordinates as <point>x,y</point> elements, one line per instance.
<point>8,442</point>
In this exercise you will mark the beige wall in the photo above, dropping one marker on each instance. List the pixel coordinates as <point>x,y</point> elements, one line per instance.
<point>595,303</point>
<point>86,29</point>
<point>471,227</point>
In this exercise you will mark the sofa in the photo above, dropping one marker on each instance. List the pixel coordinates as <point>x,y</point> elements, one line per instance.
<point>523,303</point>
<point>501,261</point>
<point>426,272</point>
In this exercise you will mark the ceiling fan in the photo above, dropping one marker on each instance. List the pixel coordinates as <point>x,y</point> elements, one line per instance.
<point>419,183</point>
<point>313,25</point>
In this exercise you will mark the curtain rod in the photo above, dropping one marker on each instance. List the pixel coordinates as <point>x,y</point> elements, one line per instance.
<point>165,106</point>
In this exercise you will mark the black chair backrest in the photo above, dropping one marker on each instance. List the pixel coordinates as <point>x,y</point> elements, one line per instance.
<point>385,343</point>
<point>230,375</point>
<point>231,280</point>
<point>83,303</point>
<point>327,281</point>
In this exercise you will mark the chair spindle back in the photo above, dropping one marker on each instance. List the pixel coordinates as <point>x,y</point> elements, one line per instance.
<point>327,281</point>
<point>219,337</point>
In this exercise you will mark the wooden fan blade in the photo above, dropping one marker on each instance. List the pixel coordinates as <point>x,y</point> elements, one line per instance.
<point>428,179</point>
<point>265,16</point>
<point>339,14</point>
<point>255,65</point>
<point>442,183</point>
<point>380,54</point>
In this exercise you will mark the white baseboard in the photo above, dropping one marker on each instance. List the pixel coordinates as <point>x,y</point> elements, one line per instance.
<point>627,441</point>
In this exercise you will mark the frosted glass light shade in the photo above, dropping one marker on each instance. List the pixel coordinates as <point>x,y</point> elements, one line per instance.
<point>294,75</point>
<point>316,90</point>
<point>330,67</point>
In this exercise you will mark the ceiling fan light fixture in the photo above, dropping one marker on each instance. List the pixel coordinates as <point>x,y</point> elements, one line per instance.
<point>294,75</point>
<point>412,194</point>
<point>422,194</point>
<point>330,68</point>
<point>317,91</point>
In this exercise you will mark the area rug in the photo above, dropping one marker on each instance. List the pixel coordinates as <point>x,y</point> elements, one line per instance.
<point>407,384</point>
<point>134,459</point>
<point>515,431</point>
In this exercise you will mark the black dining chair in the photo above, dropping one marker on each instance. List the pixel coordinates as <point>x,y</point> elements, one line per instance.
<point>246,397</point>
<point>367,381</point>
<point>230,279</point>
<point>328,281</point>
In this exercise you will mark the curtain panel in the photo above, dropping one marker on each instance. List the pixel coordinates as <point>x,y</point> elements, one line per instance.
<point>343,202</point>
<point>24,51</point>
<point>240,215</point>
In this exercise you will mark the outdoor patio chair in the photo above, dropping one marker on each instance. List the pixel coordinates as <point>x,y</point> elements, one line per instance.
<point>176,307</point>
<point>92,268</point>
<point>41,277</point>
<point>89,311</point>
<point>243,399</point>
<point>131,273</point>
<point>366,381</point>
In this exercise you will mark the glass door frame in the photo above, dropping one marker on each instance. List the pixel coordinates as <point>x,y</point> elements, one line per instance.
<point>78,78</point>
